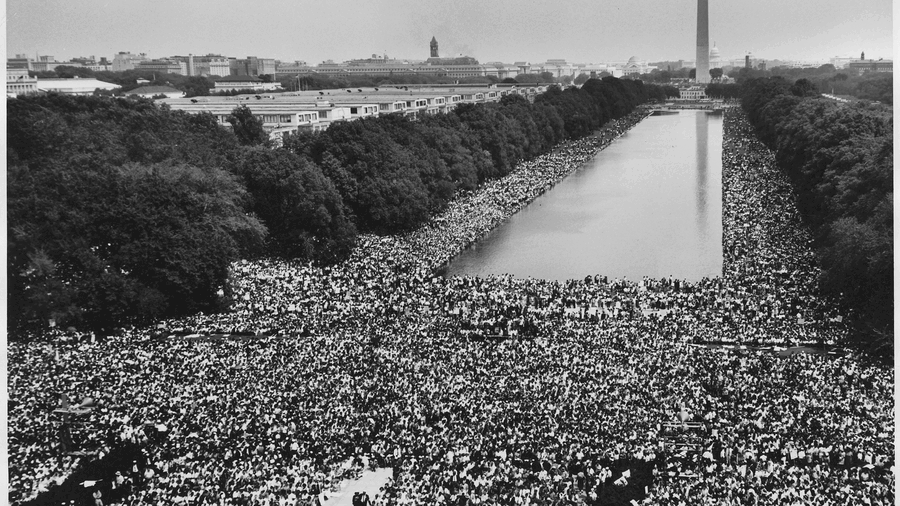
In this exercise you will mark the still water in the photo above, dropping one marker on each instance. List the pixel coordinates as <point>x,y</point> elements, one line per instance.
<point>650,204</point>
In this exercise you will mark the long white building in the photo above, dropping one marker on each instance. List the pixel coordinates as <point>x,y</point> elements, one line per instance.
<point>284,114</point>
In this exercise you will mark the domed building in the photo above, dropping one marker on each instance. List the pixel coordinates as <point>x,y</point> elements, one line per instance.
<point>635,66</point>
<point>715,59</point>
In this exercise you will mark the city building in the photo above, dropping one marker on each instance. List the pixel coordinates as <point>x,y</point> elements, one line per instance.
<point>557,67</point>
<point>592,70</point>
<point>210,65</point>
<point>21,61</point>
<point>636,67</point>
<point>100,67</point>
<point>715,59</point>
<point>213,65</point>
<point>252,66</point>
<point>463,71</point>
<point>692,92</point>
<point>458,61</point>
<point>295,69</point>
<point>500,70</point>
<point>673,65</point>
<point>48,64</point>
<point>191,64</point>
<point>864,66</point>
<point>123,61</point>
<point>85,61</point>
<point>842,62</point>
<point>454,61</point>
<point>18,82</point>
<point>163,66</point>
<point>74,86</point>
<point>237,83</point>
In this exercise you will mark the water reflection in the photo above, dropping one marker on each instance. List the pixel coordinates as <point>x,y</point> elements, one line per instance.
<point>648,205</point>
<point>702,123</point>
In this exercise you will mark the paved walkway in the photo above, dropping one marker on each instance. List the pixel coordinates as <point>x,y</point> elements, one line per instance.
<point>370,482</point>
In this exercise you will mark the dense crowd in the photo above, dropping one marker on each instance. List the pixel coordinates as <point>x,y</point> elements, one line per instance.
<point>488,390</point>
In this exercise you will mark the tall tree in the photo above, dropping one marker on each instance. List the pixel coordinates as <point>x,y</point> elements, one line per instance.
<point>247,127</point>
<point>300,207</point>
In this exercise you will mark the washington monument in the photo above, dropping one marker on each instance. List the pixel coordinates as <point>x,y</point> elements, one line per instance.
<point>702,41</point>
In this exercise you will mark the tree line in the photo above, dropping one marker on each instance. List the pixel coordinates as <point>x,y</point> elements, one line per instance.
<point>873,86</point>
<point>121,210</point>
<point>840,159</point>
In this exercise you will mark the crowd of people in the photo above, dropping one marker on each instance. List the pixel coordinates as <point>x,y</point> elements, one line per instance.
<point>494,390</point>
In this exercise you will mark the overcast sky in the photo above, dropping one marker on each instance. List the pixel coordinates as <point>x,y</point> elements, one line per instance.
<point>581,31</point>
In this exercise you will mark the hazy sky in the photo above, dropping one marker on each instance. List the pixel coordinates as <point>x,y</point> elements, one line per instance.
<point>583,31</point>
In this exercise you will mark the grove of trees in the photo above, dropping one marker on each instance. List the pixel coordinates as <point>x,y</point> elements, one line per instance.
<point>874,86</point>
<point>121,210</point>
<point>840,158</point>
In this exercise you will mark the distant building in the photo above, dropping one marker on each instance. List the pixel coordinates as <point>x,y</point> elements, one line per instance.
<point>252,66</point>
<point>636,67</point>
<point>21,61</point>
<point>189,62</point>
<point>18,82</point>
<point>456,61</point>
<point>500,70</point>
<point>206,66</point>
<point>48,64</point>
<point>85,61</point>
<point>123,61</point>
<point>559,68</point>
<point>100,67</point>
<point>284,114</point>
<point>459,60</point>
<point>861,67</point>
<point>375,59</point>
<point>673,65</point>
<point>214,65</point>
<point>692,92</point>
<point>715,59</point>
<point>75,86</point>
<point>92,63</point>
<point>294,69</point>
<point>841,62</point>
<point>592,70</point>
<point>523,66</point>
<point>237,83</point>
<point>463,71</point>
<point>163,66</point>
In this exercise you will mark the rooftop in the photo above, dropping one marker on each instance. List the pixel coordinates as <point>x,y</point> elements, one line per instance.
<point>154,89</point>
<point>238,79</point>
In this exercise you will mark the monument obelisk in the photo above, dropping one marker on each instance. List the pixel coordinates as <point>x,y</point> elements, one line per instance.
<point>702,41</point>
